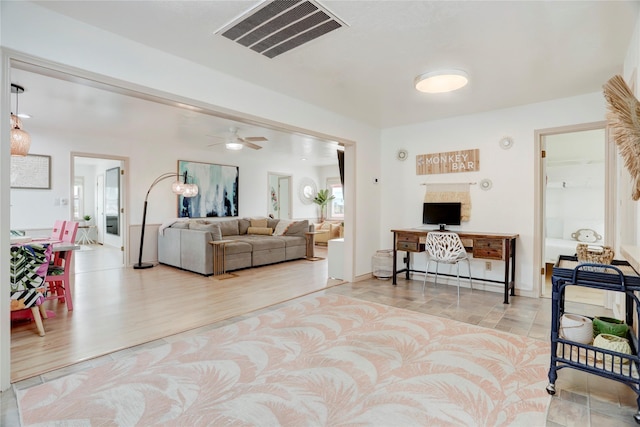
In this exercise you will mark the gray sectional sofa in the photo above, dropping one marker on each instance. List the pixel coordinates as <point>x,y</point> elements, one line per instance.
<point>185,244</point>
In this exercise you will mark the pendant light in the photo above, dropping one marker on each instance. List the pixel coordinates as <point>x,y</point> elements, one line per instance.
<point>20,140</point>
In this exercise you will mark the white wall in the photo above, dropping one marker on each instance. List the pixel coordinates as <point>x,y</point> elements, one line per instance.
<point>509,205</point>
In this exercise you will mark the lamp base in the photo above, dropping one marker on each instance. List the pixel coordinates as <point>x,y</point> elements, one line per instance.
<point>142,265</point>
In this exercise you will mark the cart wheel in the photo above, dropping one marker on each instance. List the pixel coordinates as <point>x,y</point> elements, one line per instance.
<point>551,389</point>
<point>636,417</point>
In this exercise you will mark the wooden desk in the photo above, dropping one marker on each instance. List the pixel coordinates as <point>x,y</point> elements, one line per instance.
<point>492,246</point>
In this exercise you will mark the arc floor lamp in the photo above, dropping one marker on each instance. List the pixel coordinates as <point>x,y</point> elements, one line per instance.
<point>178,187</point>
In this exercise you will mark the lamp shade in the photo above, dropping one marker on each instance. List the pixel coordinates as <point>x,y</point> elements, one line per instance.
<point>190,190</point>
<point>441,81</point>
<point>20,142</point>
<point>15,122</point>
<point>178,187</point>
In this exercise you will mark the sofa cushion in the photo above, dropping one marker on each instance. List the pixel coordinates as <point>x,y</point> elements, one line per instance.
<point>211,227</point>
<point>282,227</point>
<point>229,227</point>
<point>297,228</point>
<point>260,230</point>
<point>181,224</point>
<point>243,225</point>
<point>272,223</point>
<point>259,222</point>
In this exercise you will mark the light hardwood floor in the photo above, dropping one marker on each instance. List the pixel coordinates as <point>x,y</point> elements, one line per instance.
<point>116,308</point>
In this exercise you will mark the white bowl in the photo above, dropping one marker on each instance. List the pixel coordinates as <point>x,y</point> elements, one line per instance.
<point>574,327</point>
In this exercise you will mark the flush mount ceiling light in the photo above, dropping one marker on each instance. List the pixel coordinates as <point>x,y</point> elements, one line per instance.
<point>441,81</point>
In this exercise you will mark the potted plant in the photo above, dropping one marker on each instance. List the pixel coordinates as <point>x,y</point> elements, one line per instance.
<point>87,219</point>
<point>322,199</point>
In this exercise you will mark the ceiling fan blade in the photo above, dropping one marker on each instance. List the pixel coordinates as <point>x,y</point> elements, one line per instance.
<point>254,139</point>
<point>249,144</point>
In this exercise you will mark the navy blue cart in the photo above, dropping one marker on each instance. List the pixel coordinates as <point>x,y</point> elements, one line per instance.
<point>618,277</point>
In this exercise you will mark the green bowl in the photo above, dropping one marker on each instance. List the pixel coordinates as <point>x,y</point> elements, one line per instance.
<point>609,325</point>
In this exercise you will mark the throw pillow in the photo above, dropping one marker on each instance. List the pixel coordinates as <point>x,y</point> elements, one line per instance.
<point>334,232</point>
<point>243,225</point>
<point>259,222</point>
<point>260,230</point>
<point>272,223</point>
<point>282,227</point>
<point>586,235</point>
<point>229,227</point>
<point>298,227</point>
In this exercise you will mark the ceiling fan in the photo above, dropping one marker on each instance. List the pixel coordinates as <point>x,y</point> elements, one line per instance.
<point>235,142</point>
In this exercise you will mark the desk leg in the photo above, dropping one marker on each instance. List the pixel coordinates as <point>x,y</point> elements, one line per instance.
<point>395,260</point>
<point>507,259</point>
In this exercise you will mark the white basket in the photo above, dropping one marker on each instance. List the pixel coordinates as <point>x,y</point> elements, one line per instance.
<point>383,264</point>
<point>576,328</point>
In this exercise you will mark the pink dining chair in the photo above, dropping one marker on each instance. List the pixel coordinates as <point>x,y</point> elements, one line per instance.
<point>58,276</point>
<point>58,229</point>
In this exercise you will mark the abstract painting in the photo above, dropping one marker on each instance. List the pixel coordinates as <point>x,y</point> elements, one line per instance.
<point>217,190</point>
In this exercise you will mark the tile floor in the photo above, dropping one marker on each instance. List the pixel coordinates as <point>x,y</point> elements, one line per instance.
<point>581,399</point>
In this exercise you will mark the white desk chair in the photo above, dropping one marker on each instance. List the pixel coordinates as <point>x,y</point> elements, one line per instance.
<point>446,248</point>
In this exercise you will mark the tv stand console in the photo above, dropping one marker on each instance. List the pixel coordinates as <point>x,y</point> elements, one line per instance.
<point>491,246</point>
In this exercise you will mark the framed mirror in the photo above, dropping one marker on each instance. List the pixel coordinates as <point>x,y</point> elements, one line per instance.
<point>307,190</point>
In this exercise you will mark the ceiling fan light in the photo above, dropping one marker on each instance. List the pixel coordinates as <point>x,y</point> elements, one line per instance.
<point>233,146</point>
<point>20,142</point>
<point>441,81</point>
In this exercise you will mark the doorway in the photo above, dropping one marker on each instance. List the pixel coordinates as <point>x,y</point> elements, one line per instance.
<point>575,174</point>
<point>279,191</point>
<point>99,193</point>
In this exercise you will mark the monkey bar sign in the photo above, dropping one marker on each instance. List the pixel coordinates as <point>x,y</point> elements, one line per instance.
<point>450,162</point>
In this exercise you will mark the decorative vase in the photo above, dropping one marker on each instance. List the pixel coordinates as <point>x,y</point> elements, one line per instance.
<point>612,343</point>
<point>576,328</point>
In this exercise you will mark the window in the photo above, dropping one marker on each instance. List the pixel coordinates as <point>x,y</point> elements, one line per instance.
<point>78,197</point>
<point>336,207</point>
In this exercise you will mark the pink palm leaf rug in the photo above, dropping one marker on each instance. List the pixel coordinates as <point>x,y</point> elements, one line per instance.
<point>324,360</point>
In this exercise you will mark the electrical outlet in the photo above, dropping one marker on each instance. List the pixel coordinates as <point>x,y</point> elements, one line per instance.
<point>487,265</point>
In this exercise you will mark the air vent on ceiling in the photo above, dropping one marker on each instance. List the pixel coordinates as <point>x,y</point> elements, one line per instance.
<point>277,26</point>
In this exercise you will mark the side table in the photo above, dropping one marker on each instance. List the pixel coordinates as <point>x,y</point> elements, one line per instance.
<point>85,234</point>
<point>311,244</point>
<point>219,253</point>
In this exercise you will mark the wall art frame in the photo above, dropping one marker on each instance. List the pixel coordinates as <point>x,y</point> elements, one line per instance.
<point>217,190</point>
<point>32,172</point>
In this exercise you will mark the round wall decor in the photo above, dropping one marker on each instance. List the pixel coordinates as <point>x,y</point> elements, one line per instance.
<point>506,143</point>
<point>307,190</point>
<point>486,184</point>
<point>402,155</point>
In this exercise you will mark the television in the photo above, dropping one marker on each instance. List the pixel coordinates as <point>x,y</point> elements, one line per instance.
<point>442,214</point>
